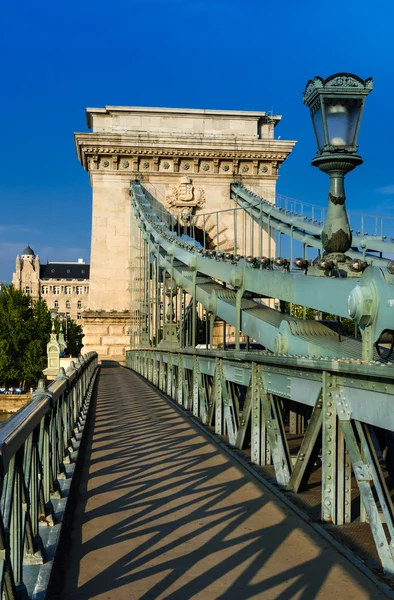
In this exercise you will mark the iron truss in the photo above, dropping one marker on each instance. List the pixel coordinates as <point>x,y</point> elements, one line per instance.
<point>312,405</point>
<point>304,417</point>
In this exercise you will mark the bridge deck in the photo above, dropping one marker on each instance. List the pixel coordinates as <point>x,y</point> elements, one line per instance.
<point>163,513</point>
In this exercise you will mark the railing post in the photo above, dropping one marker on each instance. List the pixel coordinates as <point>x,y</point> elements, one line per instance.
<point>217,391</point>
<point>329,454</point>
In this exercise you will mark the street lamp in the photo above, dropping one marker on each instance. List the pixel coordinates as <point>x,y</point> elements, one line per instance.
<point>336,106</point>
<point>53,313</point>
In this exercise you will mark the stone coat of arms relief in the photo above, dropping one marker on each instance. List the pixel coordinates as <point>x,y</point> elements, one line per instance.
<point>184,199</point>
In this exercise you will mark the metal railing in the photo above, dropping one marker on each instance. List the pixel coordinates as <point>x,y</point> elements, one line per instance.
<point>271,225</point>
<point>37,453</point>
<point>302,420</point>
<point>377,227</point>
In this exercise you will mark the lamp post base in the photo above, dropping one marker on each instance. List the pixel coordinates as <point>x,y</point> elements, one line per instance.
<point>336,257</point>
<point>336,234</point>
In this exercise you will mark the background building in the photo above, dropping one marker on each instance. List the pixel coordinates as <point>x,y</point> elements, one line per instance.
<point>63,285</point>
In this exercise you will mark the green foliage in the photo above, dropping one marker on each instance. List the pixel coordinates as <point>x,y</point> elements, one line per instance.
<point>73,334</point>
<point>74,338</point>
<point>34,362</point>
<point>8,370</point>
<point>25,328</point>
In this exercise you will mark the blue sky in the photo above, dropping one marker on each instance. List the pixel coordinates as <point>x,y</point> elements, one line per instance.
<point>58,58</point>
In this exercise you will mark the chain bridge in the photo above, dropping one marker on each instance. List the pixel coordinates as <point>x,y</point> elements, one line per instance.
<point>246,447</point>
<point>199,455</point>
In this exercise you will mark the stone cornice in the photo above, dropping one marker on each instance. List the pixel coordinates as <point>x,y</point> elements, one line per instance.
<point>97,316</point>
<point>111,146</point>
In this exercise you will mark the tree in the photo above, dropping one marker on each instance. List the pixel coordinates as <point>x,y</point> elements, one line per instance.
<point>25,327</point>
<point>74,338</point>
<point>34,362</point>
<point>8,370</point>
<point>15,317</point>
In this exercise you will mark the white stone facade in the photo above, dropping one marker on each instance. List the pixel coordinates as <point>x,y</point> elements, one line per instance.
<point>163,147</point>
<point>64,286</point>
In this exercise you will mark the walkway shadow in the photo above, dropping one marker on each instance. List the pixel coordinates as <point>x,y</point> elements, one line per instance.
<point>109,364</point>
<point>163,514</point>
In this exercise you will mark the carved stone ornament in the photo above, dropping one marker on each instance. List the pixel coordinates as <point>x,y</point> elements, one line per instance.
<point>185,198</point>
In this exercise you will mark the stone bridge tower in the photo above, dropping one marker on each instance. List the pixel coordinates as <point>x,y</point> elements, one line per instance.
<point>187,159</point>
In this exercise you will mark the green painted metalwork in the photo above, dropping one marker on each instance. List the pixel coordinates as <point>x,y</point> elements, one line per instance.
<point>38,446</point>
<point>314,400</point>
<point>220,283</point>
<point>336,105</point>
<point>340,430</point>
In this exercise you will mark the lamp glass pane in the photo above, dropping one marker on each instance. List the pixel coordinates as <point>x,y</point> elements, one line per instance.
<point>317,119</point>
<point>342,123</point>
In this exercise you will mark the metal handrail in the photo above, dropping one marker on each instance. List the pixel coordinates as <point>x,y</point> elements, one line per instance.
<point>36,446</point>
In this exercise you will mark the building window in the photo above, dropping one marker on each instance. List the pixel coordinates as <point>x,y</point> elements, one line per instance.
<point>67,303</point>
<point>56,304</point>
<point>79,316</point>
<point>79,289</point>
<point>27,290</point>
<point>45,289</point>
<point>79,304</point>
<point>56,289</point>
<point>68,316</point>
<point>68,290</point>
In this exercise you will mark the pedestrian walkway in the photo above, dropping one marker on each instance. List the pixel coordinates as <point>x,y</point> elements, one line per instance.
<point>163,513</point>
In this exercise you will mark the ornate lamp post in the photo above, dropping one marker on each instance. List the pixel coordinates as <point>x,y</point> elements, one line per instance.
<point>336,106</point>
<point>53,312</point>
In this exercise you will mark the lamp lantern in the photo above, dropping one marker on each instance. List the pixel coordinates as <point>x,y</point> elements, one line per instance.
<point>336,105</point>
